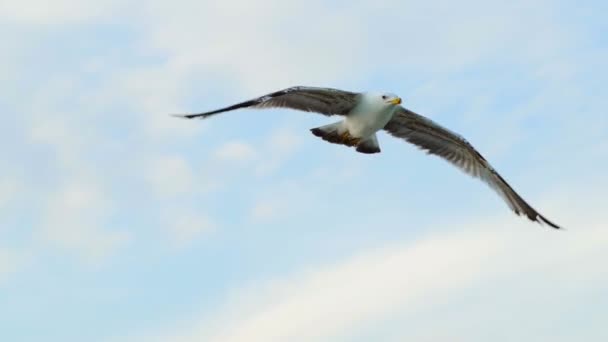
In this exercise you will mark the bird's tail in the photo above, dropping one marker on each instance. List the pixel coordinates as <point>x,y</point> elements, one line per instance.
<point>369,145</point>
<point>334,133</point>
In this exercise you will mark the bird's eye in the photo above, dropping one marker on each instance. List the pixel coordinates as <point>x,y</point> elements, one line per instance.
<point>384,97</point>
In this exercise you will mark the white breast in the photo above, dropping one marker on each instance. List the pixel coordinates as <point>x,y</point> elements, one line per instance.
<point>368,117</point>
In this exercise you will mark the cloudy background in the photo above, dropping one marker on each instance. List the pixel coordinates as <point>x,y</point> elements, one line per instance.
<point>120,223</point>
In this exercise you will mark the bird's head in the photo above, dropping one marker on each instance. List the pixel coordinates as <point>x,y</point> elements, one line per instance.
<point>380,100</point>
<point>390,99</point>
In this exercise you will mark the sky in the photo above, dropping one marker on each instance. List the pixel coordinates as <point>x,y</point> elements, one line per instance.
<point>121,223</point>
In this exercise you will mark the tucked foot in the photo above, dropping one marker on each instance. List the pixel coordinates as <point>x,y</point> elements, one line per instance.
<point>349,140</point>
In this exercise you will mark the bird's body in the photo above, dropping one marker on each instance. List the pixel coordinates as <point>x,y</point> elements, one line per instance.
<point>367,113</point>
<point>370,115</point>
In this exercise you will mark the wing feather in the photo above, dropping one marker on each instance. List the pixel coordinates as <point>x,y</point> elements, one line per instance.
<point>437,140</point>
<point>325,101</point>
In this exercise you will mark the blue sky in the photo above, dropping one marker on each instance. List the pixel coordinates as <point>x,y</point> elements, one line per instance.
<point>121,223</point>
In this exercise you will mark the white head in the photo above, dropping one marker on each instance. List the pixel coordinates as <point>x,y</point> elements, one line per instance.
<point>383,99</point>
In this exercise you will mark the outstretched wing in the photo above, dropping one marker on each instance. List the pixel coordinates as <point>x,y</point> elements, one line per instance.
<point>450,146</point>
<point>325,101</point>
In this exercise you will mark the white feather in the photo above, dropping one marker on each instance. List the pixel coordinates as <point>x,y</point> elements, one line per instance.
<point>370,115</point>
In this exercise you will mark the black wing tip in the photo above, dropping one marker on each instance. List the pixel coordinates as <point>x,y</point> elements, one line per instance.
<point>544,221</point>
<point>534,216</point>
<point>549,223</point>
<point>189,116</point>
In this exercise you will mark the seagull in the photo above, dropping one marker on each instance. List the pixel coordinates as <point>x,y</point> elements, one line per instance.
<point>366,113</point>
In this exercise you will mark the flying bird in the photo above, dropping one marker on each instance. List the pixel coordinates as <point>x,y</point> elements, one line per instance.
<point>366,113</point>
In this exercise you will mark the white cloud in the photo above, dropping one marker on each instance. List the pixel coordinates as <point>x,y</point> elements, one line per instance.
<point>11,261</point>
<point>283,200</point>
<point>427,278</point>
<point>236,151</point>
<point>265,210</point>
<point>151,101</point>
<point>325,303</point>
<point>8,190</point>
<point>169,176</point>
<point>74,221</point>
<point>194,44</point>
<point>266,157</point>
<point>185,226</point>
<point>61,12</point>
<point>284,141</point>
<point>280,145</point>
<point>271,43</point>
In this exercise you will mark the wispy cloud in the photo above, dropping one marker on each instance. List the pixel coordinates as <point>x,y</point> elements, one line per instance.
<point>8,190</point>
<point>339,301</point>
<point>236,151</point>
<point>169,176</point>
<point>183,226</point>
<point>74,220</point>
<point>63,12</point>
<point>11,261</point>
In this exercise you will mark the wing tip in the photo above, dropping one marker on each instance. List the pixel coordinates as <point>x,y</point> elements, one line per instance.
<point>187,116</point>
<point>534,216</point>
<point>544,221</point>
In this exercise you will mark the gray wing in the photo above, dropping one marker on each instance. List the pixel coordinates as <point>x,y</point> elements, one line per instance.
<point>450,146</point>
<point>325,101</point>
